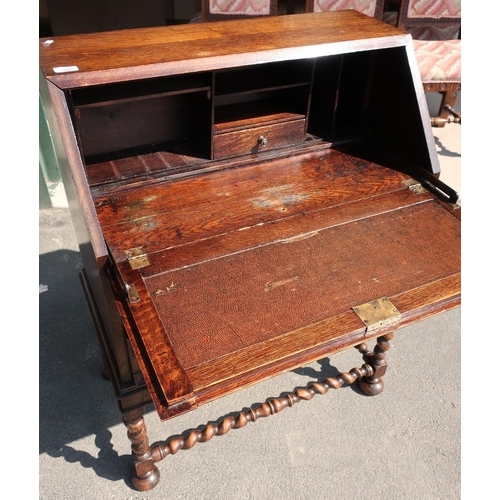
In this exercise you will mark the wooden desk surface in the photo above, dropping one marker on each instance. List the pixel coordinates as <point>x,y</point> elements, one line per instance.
<point>256,269</point>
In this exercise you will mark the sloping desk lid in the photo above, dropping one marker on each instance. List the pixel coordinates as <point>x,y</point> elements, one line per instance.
<point>238,275</point>
<point>116,56</point>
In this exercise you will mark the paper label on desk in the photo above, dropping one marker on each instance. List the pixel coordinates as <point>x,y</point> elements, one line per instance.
<point>65,69</point>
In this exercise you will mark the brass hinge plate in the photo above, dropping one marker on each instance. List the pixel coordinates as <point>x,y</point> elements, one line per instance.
<point>377,313</point>
<point>415,187</point>
<point>137,258</point>
<point>131,292</point>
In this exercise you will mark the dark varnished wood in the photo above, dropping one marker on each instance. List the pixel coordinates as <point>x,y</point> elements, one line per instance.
<point>372,384</point>
<point>135,54</point>
<point>280,230</point>
<point>258,293</point>
<point>326,337</point>
<point>311,335</point>
<point>231,200</point>
<point>249,163</point>
<point>254,139</point>
<point>169,373</point>
<point>147,474</point>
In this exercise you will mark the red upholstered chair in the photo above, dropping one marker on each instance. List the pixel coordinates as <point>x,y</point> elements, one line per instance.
<point>373,8</point>
<point>435,28</point>
<point>219,10</point>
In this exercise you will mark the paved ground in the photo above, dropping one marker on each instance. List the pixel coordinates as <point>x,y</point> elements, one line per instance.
<point>404,443</point>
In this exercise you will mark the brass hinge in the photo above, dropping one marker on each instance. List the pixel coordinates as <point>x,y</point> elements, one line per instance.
<point>377,313</point>
<point>415,187</point>
<point>137,258</point>
<point>131,292</point>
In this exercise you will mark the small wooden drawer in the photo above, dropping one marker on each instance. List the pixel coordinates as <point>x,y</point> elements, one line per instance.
<point>254,135</point>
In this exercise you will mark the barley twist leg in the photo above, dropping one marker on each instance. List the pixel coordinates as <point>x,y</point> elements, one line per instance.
<point>272,406</point>
<point>373,384</point>
<point>147,474</point>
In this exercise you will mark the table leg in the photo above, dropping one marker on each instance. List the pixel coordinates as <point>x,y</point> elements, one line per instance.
<point>270,407</point>
<point>374,384</point>
<point>147,474</point>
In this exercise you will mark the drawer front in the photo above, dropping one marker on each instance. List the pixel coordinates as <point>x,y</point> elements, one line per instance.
<point>255,139</point>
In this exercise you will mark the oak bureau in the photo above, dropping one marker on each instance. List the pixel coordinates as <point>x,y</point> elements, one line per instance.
<point>248,196</point>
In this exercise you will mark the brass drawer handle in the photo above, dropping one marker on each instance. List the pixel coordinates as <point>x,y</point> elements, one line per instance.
<point>263,141</point>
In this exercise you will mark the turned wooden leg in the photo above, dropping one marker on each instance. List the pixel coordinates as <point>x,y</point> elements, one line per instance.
<point>446,112</point>
<point>374,384</point>
<point>270,407</point>
<point>147,474</point>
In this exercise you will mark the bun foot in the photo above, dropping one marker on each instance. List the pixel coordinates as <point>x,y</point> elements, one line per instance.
<point>148,481</point>
<point>371,387</point>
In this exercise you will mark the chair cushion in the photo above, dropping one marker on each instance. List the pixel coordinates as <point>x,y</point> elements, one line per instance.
<point>439,60</point>
<point>240,7</point>
<point>364,6</point>
<point>434,9</point>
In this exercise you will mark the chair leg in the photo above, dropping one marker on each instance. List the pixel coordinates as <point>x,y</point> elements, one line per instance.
<point>446,112</point>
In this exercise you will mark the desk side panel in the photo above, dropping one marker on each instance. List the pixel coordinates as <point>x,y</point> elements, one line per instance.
<point>124,371</point>
<point>398,113</point>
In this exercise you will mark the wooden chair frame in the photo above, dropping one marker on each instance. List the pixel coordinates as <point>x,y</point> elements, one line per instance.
<point>405,21</point>
<point>448,89</point>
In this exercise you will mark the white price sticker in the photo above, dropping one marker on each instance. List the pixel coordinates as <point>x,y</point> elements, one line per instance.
<point>65,69</point>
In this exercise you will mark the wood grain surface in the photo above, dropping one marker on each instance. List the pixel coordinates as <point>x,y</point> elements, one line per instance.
<point>256,269</point>
<point>152,52</point>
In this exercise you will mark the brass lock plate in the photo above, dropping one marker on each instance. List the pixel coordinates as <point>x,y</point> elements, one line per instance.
<point>377,313</point>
